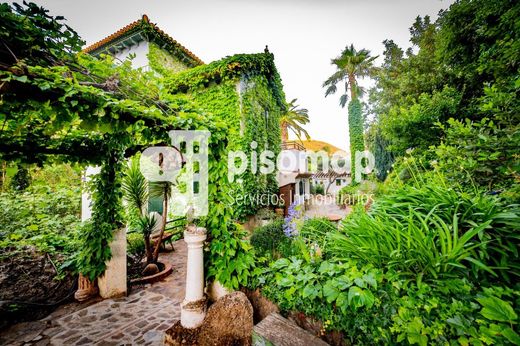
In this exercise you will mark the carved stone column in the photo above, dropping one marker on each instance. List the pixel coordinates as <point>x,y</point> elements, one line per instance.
<point>193,308</point>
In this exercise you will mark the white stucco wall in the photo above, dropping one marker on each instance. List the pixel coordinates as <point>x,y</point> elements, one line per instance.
<point>141,54</point>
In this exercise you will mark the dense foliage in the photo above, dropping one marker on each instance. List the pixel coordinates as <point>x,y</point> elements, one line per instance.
<point>60,104</point>
<point>370,306</point>
<point>434,259</point>
<point>44,218</point>
<point>267,238</point>
<point>244,92</point>
<point>463,66</point>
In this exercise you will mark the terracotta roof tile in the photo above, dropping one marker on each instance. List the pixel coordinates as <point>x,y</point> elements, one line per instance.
<point>121,32</point>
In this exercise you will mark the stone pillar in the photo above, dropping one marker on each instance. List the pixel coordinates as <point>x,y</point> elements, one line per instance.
<point>112,283</point>
<point>193,308</point>
<point>86,288</point>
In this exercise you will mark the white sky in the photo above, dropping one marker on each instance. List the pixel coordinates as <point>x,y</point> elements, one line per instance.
<point>303,35</point>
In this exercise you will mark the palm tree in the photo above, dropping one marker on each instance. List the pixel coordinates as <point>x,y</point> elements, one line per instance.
<point>350,65</point>
<point>164,190</point>
<point>136,192</point>
<point>293,120</point>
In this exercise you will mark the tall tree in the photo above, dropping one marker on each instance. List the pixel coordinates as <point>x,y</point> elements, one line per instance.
<point>294,119</point>
<point>351,65</point>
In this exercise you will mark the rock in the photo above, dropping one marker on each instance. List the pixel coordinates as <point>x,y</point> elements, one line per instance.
<point>150,269</point>
<point>262,306</point>
<point>229,322</point>
<point>279,331</point>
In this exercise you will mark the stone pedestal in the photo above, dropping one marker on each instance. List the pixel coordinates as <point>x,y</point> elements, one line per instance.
<point>113,281</point>
<point>193,308</point>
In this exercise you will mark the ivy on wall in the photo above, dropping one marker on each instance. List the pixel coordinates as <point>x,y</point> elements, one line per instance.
<point>245,91</point>
<point>162,62</point>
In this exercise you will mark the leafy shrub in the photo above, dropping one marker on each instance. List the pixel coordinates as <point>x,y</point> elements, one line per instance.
<point>433,230</point>
<point>317,189</point>
<point>354,194</point>
<point>480,153</point>
<point>267,238</point>
<point>135,244</point>
<point>375,307</point>
<point>57,176</point>
<point>21,180</point>
<point>41,218</point>
<point>315,230</point>
<point>233,263</point>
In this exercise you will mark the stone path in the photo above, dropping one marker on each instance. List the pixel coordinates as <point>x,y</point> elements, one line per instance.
<point>138,319</point>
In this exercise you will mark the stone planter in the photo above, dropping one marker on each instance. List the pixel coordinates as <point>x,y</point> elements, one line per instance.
<point>86,289</point>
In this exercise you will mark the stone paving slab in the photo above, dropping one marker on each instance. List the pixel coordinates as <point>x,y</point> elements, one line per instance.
<point>139,319</point>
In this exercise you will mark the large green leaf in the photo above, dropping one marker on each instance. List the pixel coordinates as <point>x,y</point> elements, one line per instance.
<point>497,310</point>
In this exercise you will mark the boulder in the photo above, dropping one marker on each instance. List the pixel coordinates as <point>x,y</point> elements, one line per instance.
<point>229,321</point>
<point>262,306</point>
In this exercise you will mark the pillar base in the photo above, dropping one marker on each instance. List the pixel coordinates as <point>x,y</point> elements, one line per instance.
<point>193,313</point>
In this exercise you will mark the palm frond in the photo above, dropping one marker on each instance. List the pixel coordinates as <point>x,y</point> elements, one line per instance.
<point>135,187</point>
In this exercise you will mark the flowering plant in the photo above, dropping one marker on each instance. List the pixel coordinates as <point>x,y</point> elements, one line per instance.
<point>293,222</point>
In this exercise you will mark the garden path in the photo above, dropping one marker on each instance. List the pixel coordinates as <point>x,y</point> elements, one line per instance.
<point>325,206</point>
<point>138,319</point>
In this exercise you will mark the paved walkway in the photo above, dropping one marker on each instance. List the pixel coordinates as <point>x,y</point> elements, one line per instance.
<point>325,206</point>
<point>138,319</point>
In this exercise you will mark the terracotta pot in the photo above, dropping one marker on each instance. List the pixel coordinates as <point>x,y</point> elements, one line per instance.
<point>86,289</point>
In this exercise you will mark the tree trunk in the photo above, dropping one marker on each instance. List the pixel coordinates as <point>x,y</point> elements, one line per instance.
<point>285,132</point>
<point>353,87</point>
<point>148,249</point>
<point>357,144</point>
<point>163,227</point>
<point>331,180</point>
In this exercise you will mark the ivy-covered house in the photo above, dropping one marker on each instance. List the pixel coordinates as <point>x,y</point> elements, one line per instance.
<point>149,46</point>
<point>244,91</point>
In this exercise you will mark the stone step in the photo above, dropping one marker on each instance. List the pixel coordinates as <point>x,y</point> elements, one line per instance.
<point>276,330</point>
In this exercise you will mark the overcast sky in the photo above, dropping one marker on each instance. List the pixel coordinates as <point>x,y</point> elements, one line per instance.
<point>303,35</point>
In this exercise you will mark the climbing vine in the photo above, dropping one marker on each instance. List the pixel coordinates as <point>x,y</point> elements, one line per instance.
<point>245,92</point>
<point>162,62</point>
<point>60,104</point>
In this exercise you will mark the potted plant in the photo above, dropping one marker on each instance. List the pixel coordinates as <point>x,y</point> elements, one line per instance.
<point>280,209</point>
<point>137,192</point>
